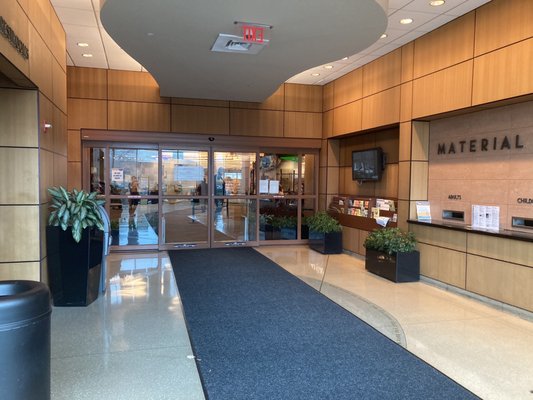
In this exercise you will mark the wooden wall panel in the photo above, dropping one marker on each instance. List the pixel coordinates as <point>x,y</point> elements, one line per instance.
<point>448,45</point>
<point>404,152</point>
<point>20,176</point>
<point>503,73</point>
<point>256,122</point>
<point>502,22</point>
<point>510,283</point>
<point>440,237</point>
<point>58,44</point>
<point>133,116</point>
<point>87,83</point>
<point>59,86</point>
<point>275,102</point>
<point>406,101</point>
<point>303,97</point>
<point>60,172</point>
<point>446,90</point>
<point>381,109</point>
<point>40,63</point>
<point>303,125</point>
<point>348,88</point>
<point>39,14</point>
<point>408,51</point>
<point>74,145</point>
<point>327,96</point>
<point>197,119</point>
<point>327,124</point>
<point>74,180</point>
<point>46,174</point>
<point>419,180</point>
<point>18,118</point>
<point>350,239</point>
<point>13,233</point>
<point>46,113</point>
<point>514,251</point>
<point>404,180</point>
<point>383,73</point>
<point>59,131</point>
<point>83,113</point>
<point>133,86</point>
<point>347,118</point>
<point>17,19</point>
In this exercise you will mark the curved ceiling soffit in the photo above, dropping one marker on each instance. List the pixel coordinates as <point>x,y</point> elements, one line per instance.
<point>173,41</point>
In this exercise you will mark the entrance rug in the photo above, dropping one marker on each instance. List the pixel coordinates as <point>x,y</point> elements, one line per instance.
<point>258,332</point>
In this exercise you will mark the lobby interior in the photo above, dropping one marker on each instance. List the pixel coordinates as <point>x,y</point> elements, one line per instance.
<point>470,316</point>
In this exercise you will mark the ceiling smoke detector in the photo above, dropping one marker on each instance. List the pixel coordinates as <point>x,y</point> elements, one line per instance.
<point>236,44</point>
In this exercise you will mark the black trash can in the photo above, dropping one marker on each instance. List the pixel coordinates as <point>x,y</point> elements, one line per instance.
<point>25,310</point>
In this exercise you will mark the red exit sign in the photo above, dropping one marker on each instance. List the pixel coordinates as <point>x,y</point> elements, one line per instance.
<point>253,34</point>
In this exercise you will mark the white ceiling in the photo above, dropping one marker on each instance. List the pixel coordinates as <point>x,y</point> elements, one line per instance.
<point>81,21</point>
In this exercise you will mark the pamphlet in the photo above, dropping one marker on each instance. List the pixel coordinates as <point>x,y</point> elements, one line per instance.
<point>423,211</point>
<point>375,212</point>
<point>382,221</point>
<point>263,186</point>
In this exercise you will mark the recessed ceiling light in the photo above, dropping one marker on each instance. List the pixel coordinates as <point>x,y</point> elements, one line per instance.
<point>315,74</point>
<point>88,55</point>
<point>383,36</point>
<point>328,66</point>
<point>406,21</point>
<point>436,3</point>
<point>83,44</point>
<point>150,34</point>
<point>345,58</point>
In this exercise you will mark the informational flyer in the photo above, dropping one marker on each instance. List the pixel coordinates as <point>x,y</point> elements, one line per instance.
<point>486,217</point>
<point>263,186</point>
<point>117,174</point>
<point>423,211</point>
<point>273,187</point>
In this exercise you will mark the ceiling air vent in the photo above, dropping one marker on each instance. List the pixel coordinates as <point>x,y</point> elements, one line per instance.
<point>236,44</point>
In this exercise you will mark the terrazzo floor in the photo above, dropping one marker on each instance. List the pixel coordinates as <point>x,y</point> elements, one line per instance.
<point>132,343</point>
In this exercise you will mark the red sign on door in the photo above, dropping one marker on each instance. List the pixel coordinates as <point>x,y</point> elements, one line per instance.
<point>253,34</point>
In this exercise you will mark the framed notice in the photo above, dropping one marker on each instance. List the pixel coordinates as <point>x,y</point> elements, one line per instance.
<point>486,217</point>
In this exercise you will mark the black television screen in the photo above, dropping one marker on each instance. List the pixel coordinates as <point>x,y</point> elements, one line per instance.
<point>367,164</point>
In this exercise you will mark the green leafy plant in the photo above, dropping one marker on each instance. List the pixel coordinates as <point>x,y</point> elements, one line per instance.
<point>76,209</point>
<point>283,221</point>
<point>390,241</point>
<point>322,222</point>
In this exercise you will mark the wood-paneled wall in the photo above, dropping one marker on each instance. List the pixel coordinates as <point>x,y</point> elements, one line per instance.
<point>32,158</point>
<point>125,100</point>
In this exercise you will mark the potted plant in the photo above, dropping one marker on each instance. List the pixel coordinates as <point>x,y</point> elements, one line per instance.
<point>392,254</point>
<point>286,224</point>
<point>74,244</point>
<point>325,233</point>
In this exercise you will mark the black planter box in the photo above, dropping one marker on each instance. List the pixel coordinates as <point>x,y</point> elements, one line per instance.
<point>403,267</point>
<point>326,243</point>
<point>74,268</point>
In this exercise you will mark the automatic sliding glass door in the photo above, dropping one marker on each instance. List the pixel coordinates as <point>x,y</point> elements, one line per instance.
<point>184,220</point>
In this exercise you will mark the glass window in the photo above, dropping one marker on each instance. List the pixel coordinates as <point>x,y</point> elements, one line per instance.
<point>133,171</point>
<point>278,174</point>
<point>234,173</point>
<point>185,172</point>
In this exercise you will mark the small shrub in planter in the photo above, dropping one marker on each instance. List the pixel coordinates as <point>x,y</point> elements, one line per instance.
<point>325,233</point>
<point>392,254</point>
<point>74,244</point>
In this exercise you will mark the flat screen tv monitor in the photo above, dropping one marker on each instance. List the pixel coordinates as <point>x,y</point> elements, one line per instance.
<point>367,165</point>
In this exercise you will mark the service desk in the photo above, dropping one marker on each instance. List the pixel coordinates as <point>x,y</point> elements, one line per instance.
<point>494,264</point>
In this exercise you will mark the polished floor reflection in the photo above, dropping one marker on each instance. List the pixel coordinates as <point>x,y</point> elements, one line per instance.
<point>132,343</point>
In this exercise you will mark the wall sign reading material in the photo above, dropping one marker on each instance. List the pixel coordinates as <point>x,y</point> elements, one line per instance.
<point>484,144</point>
<point>454,197</point>
<point>13,39</point>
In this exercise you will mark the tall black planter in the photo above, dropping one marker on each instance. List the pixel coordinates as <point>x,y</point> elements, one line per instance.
<point>74,268</point>
<point>402,267</point>
<point>326,243</point>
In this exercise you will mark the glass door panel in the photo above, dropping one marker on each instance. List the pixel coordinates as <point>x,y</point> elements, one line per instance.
<point>233,209</point>
<point>133,201</point>
<point>185,207</point>
<point>235,223</point>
